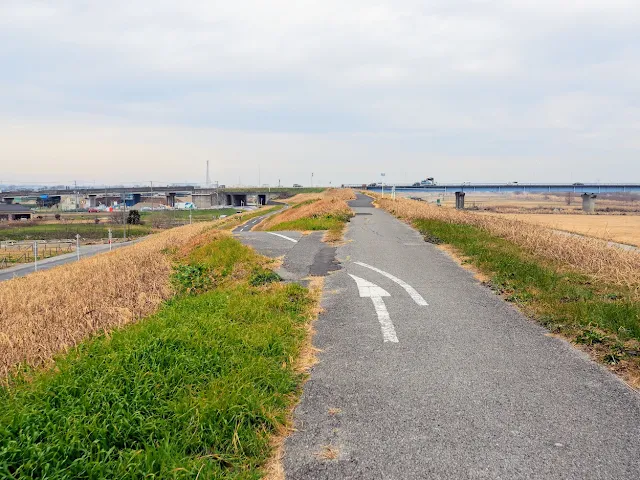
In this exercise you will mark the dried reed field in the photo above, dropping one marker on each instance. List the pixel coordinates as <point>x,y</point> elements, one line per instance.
<point>50,311</point>
<point>589,256</point>
<point>330,203</point>
<point>615,228</point>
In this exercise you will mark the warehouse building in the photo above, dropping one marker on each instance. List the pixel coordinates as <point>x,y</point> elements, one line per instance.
<point>9,212</point>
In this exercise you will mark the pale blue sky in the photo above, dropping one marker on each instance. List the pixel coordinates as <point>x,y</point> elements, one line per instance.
<point>461,90</point>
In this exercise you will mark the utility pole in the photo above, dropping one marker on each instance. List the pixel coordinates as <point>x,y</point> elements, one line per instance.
<point>311,179</point>
<point>208,179</point>
<point>151,195</point>
<point>259,177</point>
<point>124,214</point>
<point>75,187</point>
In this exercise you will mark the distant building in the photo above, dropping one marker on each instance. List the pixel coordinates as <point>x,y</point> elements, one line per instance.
<point>10,212</point>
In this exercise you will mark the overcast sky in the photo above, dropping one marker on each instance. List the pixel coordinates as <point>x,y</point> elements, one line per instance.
<point>133,91</point>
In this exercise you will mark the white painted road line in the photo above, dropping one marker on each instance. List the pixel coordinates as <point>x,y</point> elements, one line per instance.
<point>408,288</point>
<point>284,236</point>
<point>375,293</point>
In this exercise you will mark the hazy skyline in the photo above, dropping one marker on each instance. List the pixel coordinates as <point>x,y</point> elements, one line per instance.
<point>117,92</point>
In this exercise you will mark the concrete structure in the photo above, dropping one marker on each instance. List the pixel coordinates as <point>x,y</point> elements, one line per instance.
<point>11,212</point>
<point>460,200</point>
<point>588,202</point>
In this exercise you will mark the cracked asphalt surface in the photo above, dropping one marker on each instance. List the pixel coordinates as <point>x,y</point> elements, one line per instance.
<point>472,389</point>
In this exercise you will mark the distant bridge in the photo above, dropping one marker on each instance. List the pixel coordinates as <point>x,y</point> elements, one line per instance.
<point>201,197</point>
<point>589,191</point>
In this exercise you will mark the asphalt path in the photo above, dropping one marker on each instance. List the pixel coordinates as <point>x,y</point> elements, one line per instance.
<point>46,264</point>
<point>425,373</point>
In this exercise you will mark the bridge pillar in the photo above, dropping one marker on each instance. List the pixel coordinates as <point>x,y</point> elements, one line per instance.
<point>588,202</point>
<point>92,201</point>
<point>460,200</point>
<point>171,199</point>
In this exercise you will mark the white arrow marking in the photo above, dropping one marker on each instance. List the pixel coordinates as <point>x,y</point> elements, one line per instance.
<point>408,288</point>
<point>375,293</point>
<point>284,236</point>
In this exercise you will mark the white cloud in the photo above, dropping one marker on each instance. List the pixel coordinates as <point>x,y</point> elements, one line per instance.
<point>456,78</point>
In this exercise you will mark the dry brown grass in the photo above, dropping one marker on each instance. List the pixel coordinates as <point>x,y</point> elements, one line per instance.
<point>301,197</point>
<point>328,452</point>
<point>50,311</point>
<point>616,228</point>
<point>329,202</point>
<point>585,255</point>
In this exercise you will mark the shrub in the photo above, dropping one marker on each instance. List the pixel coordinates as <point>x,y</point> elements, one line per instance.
<point>134,217</point>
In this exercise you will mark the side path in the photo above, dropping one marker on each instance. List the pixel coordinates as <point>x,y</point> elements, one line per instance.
<point>465,388</point>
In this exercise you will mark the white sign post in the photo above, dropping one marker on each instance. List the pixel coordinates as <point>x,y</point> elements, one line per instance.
<point>110,240</point>
<point>78,246</point>
<point>35,256</point>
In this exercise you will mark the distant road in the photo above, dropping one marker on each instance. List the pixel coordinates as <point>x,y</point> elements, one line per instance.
<point>45,264</point>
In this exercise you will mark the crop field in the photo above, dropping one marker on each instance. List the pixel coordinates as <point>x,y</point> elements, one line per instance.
<point>616,228</point>
<point>186,369</point>
<point>55,231</point>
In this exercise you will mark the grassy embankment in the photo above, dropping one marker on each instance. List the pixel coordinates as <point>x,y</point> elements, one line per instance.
<point>197,390</point>
<point>326,211</point>
<point>579,288</point>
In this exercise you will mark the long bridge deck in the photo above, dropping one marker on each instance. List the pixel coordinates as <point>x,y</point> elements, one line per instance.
<point>588,188</point>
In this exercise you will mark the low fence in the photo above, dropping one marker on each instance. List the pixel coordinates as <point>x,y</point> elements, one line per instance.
<point>12,253</point>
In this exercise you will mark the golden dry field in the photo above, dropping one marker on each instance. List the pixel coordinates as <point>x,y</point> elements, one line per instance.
<point>616,228</point>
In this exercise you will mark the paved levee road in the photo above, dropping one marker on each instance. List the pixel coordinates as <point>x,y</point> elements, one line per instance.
<point>462,388</point>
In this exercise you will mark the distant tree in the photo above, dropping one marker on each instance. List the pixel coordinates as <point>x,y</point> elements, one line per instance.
<point>57,216</point>
<point>134,217</point>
